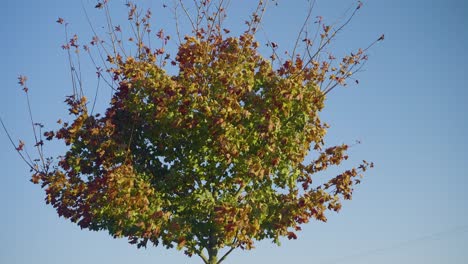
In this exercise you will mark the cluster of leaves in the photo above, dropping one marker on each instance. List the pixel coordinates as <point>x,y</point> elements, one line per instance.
<point>207,158</point>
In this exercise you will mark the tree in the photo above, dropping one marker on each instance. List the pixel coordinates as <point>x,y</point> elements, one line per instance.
<point>209,158</point>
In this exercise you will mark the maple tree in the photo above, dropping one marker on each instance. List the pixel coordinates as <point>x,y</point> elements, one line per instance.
<point>207,159</point>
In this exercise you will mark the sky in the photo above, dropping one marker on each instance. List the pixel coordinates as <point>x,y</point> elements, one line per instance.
<point>409,112</point>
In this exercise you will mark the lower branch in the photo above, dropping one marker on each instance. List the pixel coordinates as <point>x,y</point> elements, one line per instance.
<point>203,257</point>
<point>225,255</point>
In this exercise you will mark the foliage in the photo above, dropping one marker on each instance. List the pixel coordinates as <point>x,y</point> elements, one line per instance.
<point>210,157</point>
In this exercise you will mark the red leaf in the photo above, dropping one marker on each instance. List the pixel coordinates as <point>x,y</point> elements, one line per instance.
<point>319,19</point>
<point>49,135</point>
<point>22,80</point>
<point>160,34</point>
<point>359,5</point>
<point>291,235</point>
<point>40,143</point>
<point>36,178</point>
<point>20,146</point>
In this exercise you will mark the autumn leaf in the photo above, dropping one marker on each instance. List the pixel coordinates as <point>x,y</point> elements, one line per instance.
<point>22,80</point>
<point>20,146</point>
<point>291,235</point>
<point>360,4</point>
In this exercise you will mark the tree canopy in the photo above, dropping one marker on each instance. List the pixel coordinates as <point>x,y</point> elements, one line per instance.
<point>211,157</point>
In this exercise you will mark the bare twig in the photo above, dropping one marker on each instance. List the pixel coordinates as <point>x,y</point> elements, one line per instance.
<point>38,144</point>
<point>15,147</point>
<point>194,28</point>
<point>176,18</point>
<point>96,94</point>
<point>304,25</point>
<point>98,45</point>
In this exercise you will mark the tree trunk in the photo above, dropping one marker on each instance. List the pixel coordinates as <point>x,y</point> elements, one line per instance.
<point>213,259</point>
<point>212,250</point>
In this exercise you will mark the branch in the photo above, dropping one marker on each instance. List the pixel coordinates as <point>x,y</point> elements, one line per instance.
<point>188,16</point>
<point>322,46</point>
<point>14,146</point>
<point>37,142</point>
<point>225,255</point>
<point>327,41</point>
<point>70,62</point>
<point>96,94</point>
<point>176,18</point>
<point>203,257</point>
<point>99,44</point>
<point>348,73</point>
<point>346,76</point>
<point>256,19</point>
<point>309,13</point>
<point>274,55</point>
<point>216,15</point>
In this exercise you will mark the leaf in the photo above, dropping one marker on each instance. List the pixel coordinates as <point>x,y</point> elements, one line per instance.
<point>49,135</point>
<point>22,80</point>
<point>39,143</point>
<point>360,4</point>
<point>291,235</point>
<point>20,146</point>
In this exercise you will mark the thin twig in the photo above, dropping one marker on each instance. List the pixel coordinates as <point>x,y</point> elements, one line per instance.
<point>99,44</point>
<point>188,15</point>
<point>334,35</point>
<point>70,61</point>
<point>216,14</point>
<point>14,146</point>
<point>261,6</point>
<point>176,18</point>
<point>304,25</point>
<point>96,95</point>
<point>37,143</point>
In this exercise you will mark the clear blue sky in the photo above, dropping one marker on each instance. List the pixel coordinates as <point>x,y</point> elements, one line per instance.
<point>410,112</point>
